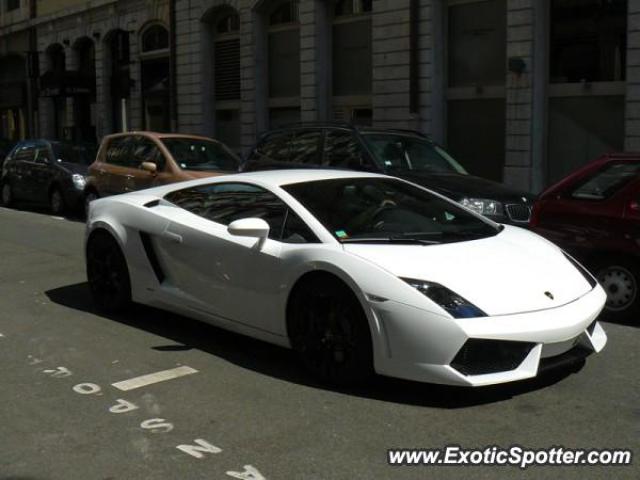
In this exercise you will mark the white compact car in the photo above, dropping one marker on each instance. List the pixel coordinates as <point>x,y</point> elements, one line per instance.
<point>356,272</point>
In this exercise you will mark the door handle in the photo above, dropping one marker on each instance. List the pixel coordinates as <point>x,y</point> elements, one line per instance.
<point>172,237</point>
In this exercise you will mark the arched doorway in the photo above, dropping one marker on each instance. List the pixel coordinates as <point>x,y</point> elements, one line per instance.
<point>12,97</point>
<point>155,78</point>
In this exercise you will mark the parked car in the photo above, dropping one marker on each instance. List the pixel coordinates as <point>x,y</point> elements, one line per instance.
<point>47,172</point>
<point>133,161</point>
<point>358,272</point>
<point>402,153</point>
<point>594,214</point>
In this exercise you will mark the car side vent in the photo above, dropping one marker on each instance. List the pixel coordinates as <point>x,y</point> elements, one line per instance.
<point>147,244</point>
<point>153,203</point>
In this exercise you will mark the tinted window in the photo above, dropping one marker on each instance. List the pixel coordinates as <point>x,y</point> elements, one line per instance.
<point>341,149</point>
<point>145,150</point>
<point>227,202</point>
<point>304,147</point>
<point>79,154</point>
<point>372,210</point>
<point>119,152</point>
<point>607,181</point>
<point>24,153</point>
<point>197,154</point>
<point>42,154</point>
<point>411,153</point>
<point>276,146</point>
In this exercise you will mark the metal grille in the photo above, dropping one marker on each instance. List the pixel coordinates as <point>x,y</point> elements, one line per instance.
<point>519,212</point>
<point>227,69</point>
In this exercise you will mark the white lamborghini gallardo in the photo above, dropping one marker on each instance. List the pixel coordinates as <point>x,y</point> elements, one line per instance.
<point>356,272</point>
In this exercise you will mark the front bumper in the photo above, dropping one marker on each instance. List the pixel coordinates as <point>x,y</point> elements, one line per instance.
<point>418,345</point>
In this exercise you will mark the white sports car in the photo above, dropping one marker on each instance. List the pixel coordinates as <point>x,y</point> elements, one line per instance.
<point>356,272</point>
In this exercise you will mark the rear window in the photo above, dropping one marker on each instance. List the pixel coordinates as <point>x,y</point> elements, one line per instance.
<point>607,181</point>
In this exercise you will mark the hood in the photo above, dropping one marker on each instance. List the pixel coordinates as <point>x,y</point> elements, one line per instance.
<point>457,186</point>
<point>505,274</point>
<point>74,168</point>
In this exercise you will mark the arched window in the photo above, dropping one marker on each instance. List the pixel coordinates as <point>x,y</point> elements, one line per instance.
<point>229,22</point>
<point>155,38</point>
<point>284,62</point>
<point>352,60</point>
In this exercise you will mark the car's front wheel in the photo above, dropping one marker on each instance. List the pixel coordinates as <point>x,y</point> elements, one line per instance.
<point>56,202</point>
<point>620,278</point>
<point>7,194</point>
<point>329,331</point>
<point>107,273</point>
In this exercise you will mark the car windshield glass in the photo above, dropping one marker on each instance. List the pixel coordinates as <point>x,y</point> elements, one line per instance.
<point>381,210</point>
<point>78,154</point>
<point>405,152</point>
<point>607,181</point>
<point>196,154</point>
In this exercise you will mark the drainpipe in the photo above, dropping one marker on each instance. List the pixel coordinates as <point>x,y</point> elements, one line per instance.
<point>173,90</point>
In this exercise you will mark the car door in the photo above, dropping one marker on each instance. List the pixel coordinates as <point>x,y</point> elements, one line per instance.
<point>41,172</point>
<point>20,171</point>
<point>121,166</point>
<point>145,150</point>
<point>231,277</point>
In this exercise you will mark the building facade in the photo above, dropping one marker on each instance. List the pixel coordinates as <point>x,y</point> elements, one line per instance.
<point>520,91</point>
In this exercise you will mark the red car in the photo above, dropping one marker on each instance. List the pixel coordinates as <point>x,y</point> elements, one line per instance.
<point>594,214</point>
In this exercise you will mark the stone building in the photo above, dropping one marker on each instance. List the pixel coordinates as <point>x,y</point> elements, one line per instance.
<point>521,91</point>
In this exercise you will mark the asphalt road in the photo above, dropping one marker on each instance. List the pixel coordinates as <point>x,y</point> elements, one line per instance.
<point>248,408</point>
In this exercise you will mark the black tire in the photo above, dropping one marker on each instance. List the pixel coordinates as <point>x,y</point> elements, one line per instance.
<point>620,278</point>
<point>6,194</point>
<point>107,273</point>
<point>57,204</point>
<point>330,332</point>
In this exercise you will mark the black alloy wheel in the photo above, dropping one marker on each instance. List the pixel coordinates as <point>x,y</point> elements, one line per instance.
<point>107,273</point>
<point>330,332</point>
<point>7,194</point>
<point>56,202</point>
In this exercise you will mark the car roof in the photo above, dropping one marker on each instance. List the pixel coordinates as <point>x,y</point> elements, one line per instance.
<point>159,135</point>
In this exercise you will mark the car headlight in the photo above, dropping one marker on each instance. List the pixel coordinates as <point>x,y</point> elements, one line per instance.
<point>79,181</point>
<point>453,303</point>
<point>483,206</point>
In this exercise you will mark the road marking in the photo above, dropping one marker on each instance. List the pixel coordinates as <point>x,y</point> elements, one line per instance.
<point>152,378</point>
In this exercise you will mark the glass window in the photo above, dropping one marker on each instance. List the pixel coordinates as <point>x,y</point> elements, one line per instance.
<point>119,152</point>
<point>145,150</point>
<point>225,203</point>
<point>607,181</point>
<point>352,7</point>
<point>155,38</point>
<point>276,146</point>
<point>588,40</point>
<point>477,43</point>
<point>341,150</point>
<point>375,210</point>
<point>71,153</point>
<point>196,154</point>
<point>42,154</point>
<point>286,12</point>
<point>228,23</point>
<point>24,153</point>
<point>401,152</point>
<point>304,147</point>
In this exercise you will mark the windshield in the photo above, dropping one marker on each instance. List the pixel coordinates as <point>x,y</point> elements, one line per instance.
<point>78,154</point>
<point>195,154</point>
<point>404,152</point>
<point>381,210</point>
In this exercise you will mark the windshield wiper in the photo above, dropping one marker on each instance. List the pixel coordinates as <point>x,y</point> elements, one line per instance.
<point>394,239</point>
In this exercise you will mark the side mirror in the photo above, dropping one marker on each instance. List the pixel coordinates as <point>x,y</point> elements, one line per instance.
<point>150,167</point>
<point>249,227</point>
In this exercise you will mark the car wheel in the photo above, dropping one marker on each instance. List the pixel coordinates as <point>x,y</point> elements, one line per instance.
<point>330,332</point>
<point>56,202</point>
<point>107,273</point>
<point>620,278</point>
<point>7,194</point>
<point>88,198</point>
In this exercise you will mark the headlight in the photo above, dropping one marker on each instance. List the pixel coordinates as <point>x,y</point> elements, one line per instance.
<point>453,303</point>
<point>79,181</point>
<point>483,206</point>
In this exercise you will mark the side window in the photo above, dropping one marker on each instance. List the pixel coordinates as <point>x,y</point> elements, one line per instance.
<point>26,153</point>
<point>341,150</point>
<point>276,146</point>
<point>304,147</point>
<point>42,154</point>
<point>607,181</point>
<point>119,152</point>
<point>296,231</point>
<point>145,150</point>
<point>225,203</point>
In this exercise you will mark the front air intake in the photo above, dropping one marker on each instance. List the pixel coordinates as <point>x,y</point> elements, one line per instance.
<point>481,357</point>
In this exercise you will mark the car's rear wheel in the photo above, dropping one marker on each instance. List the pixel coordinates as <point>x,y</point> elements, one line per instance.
<point>329,331</point>
<point>7,194</point>
<point>107,273</point>
<point>620,278</point>
<point>56,201</point>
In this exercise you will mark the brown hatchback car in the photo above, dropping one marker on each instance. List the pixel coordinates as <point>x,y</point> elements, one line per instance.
<point>136,160</point>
